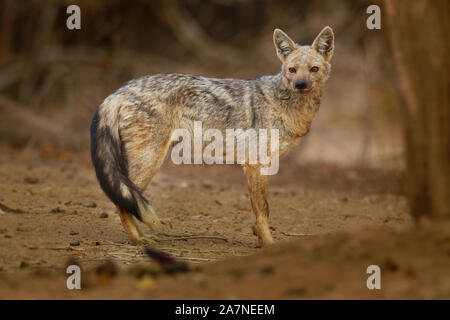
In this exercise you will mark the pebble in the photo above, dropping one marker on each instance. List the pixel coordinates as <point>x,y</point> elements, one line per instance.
<point>183,184</point>
<point>24,266</point>
<point>267,270</point>
<point>207,185</point>
<point>75,243</point>
<point>31,180</point>
<point>104,215</point>
<point>91,205</point>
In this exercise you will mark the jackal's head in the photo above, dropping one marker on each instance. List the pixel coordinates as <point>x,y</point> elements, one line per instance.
<point>305,68</point>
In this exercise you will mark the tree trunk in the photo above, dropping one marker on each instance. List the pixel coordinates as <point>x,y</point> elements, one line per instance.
<point>418,34</point>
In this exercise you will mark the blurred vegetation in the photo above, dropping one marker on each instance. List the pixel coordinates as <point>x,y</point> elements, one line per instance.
<point>420,47</point>
<point>52,78</point>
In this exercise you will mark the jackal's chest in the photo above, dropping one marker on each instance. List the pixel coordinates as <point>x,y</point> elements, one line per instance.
<point>295,124</point>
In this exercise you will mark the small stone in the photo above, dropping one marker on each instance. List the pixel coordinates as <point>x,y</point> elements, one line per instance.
<point>57,210</point>
<point>299,291</point>
<point>75,243</point>
<point>73,233</point>
<point>31,180</point>
<point>24,266</point>
<point>267,270</point>
<point>91,205</point>
<point>207,185</point>
<point>390,265</point>
<point>104,215</point>
<point>97,243</point>
<point>183,184</point>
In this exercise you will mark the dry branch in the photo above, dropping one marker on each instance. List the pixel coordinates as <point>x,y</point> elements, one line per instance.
<point>193,37</point>
<point>45,129</point>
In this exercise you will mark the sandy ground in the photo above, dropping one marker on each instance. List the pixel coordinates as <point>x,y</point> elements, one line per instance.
<point>329,225</point>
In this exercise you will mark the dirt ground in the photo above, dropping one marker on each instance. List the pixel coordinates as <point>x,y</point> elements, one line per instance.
<point>329,225</point>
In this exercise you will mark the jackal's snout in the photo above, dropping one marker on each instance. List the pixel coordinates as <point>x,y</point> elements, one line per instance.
<point>302,85</point>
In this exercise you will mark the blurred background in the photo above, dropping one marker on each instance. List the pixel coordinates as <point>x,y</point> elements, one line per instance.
<point>377,157</point>
<point>52,79</point>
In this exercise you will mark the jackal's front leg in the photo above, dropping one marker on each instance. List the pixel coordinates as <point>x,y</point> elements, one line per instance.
<point>257,185</point>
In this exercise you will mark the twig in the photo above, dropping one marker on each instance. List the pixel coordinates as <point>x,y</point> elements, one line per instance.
<point>193,259</point>
<point>134,255</point>
<point>187,237</point>
<point>8,209</point>
<point>192,36</point>
<point>54,248</point>
<point>290,234</point>
<point>107,242</point>
<point>174,249</point>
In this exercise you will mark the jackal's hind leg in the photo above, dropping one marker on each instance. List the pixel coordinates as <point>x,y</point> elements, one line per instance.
<point>145,152</point>
<point>257,185</point>
<point>131,227</point>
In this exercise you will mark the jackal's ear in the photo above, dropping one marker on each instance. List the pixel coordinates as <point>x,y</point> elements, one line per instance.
<point>283,44</point>
<point>324,43</point>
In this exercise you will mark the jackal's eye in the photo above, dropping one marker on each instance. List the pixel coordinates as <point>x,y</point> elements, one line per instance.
<point>314,69</point>
<point>292,70</point>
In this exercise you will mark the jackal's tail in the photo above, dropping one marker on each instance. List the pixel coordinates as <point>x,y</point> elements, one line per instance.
<point>110,166</point>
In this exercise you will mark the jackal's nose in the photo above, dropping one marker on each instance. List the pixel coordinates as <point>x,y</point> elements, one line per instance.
<point>300,85</point>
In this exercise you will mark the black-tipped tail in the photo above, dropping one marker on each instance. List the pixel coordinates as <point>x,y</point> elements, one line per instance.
<point>111,168</point>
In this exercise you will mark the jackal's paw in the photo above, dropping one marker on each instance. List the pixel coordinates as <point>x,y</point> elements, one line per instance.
<point>264,237</point>
<point>142,241</point>
<point>265,242</point>
<point>156,226</point>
